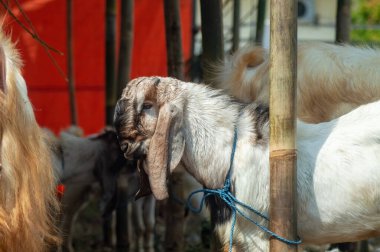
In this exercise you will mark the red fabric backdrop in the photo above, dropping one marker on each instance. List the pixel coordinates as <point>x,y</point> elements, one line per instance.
<point>47,88</point>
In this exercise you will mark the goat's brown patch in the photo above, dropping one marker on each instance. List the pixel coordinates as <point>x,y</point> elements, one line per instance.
<point>151,94</point>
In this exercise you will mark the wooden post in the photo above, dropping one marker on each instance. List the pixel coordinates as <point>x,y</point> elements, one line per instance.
<point>175,217</point>
<point>110,31</point>
<point>236,26</point>
<point>283,76</point>
<point>213,52</point>
<point>173,38</point>
<point>261,8</point>
<point>212,36</point>
<point>70,63</point>
<point>123,76</point>
<point>110,60</point>
<point>194,32</point>
<point>343,21</point>
<point>126,45</point>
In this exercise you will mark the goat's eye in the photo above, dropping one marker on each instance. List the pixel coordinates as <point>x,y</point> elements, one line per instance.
<point>146,106</point>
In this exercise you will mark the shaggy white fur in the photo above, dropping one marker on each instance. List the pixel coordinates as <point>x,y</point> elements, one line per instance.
<point>338,161</point>
<point>331,79</point>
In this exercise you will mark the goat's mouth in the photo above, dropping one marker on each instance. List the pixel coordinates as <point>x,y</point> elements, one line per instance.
<point>134,151</point>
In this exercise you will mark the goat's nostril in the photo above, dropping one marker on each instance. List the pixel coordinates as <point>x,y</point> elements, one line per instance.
<point>124,147</point>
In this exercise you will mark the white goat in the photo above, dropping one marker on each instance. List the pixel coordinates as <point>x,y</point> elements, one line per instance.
<point>165,121</point>
<point>331,79</point>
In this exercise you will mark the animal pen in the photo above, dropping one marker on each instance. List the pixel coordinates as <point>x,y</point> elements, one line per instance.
<point>179,26</point>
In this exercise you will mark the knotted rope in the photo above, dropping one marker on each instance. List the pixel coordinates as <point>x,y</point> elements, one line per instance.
<point>226,195</point>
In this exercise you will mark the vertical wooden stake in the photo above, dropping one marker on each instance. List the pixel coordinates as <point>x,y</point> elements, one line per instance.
<point>212,36</point>
<point>283,76</point>
<point>173,38</point>
<point>110,35</point>
<point>343,21</point>
<point>213,52</point>
<point>175,217</point>
<point>126,45</point>
<point>70,62</point>
<point>261,7</point>
<point>236,26</point>
<point>123,76</point>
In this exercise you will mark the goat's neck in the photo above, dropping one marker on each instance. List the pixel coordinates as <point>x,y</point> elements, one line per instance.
<point>209,120</point>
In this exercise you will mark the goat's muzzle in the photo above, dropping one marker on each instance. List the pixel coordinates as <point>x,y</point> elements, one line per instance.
<point>133,151</point>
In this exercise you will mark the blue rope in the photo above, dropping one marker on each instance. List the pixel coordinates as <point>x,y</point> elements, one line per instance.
<point>226,195</point>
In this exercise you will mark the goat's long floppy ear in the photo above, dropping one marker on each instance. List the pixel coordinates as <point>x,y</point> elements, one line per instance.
<point>165,149</point>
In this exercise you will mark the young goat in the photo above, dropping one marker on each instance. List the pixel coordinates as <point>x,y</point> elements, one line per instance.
<point>331,79</point>
<point>80,162</point>
<point>27,190</point>
<point>165,121</point>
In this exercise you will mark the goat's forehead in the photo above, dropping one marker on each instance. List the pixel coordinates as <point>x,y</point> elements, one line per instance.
<point>141,90</point>
<point>149,89</point>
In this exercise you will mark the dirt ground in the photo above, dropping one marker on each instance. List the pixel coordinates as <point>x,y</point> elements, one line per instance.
<point>88,235</point>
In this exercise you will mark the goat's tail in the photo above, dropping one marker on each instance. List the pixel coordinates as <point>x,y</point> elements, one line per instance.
<point>236,74</point>
<point>28,204</point>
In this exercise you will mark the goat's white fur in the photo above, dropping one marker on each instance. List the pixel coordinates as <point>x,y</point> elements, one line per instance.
<point>338,164</point>
<point>331,79</point>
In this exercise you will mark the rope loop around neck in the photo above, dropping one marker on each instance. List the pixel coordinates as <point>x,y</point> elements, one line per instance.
<point>232,202</point>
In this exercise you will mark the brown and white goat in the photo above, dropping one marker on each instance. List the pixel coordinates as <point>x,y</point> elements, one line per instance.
<point>27,189</point>
<point>331,79</point>
<point>164,121</point>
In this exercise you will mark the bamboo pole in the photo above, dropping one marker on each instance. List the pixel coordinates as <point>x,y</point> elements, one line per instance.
<point>212,36</point>
<point>110,94</point>
<point>70,63</point>
<point>194,32</point>
<point>213,52</point>
<point>261,8</point>
<point>173,38</point>
<point>343,21</point>
<point>110,59</point>
<point>123,76</point>
<point>174,239</point>
<point>283,74</point>
<point>126,45</point>
<point>236,26</point>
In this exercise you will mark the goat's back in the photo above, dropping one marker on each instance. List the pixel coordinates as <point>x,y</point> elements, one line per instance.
<point>332,80</point>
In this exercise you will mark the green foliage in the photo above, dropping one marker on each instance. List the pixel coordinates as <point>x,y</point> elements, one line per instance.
<point>362,35</point>
<point>365,13</point>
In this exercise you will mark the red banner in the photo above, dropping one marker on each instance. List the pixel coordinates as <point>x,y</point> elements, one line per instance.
<point>48,89</point>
